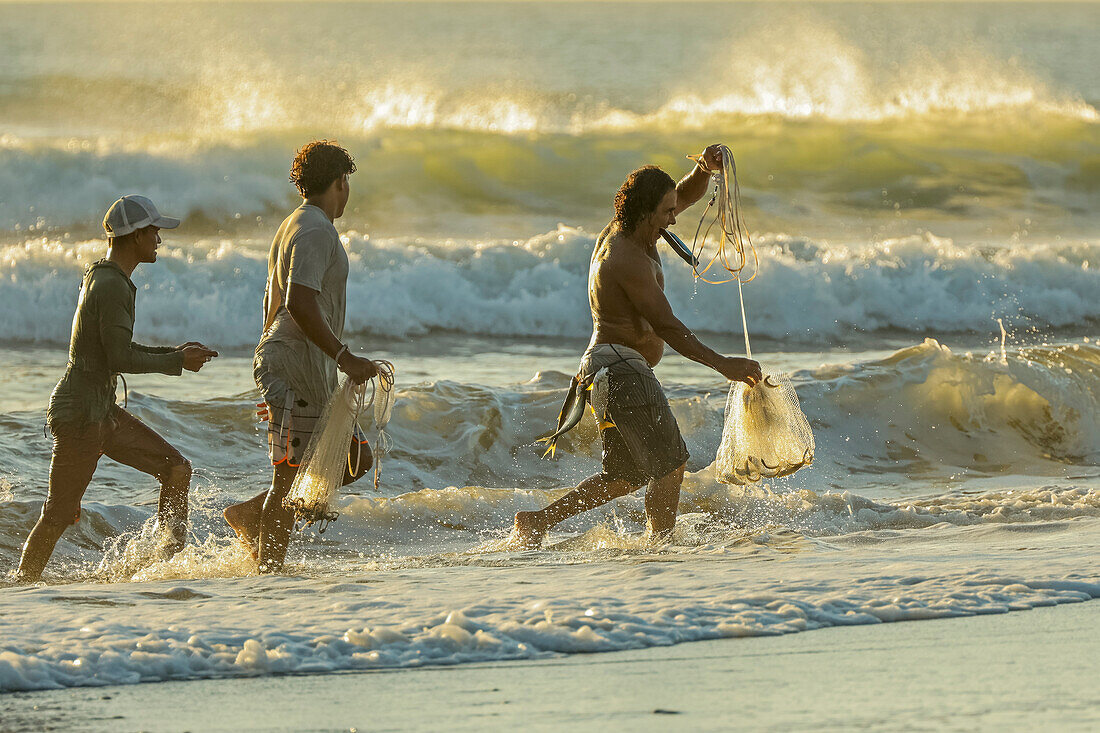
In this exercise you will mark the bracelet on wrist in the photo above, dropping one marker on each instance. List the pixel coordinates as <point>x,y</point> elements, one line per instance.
<point>343,348</point>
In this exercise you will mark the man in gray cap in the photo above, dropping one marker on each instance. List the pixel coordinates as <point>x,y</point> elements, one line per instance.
<point>83,416</point>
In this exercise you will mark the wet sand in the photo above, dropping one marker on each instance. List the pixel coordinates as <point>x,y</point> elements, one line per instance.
<point>1017,671</point>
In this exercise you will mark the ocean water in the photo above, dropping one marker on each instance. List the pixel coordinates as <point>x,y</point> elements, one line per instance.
<point>916,176</point>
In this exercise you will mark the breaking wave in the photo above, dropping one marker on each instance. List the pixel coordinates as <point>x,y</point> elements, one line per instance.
<point>983,166</point>
<point>811,114</point>
<point>809,291</point>
<point>924,413</point>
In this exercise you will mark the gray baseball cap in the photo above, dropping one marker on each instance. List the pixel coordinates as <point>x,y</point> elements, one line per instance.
<point>131,213</point>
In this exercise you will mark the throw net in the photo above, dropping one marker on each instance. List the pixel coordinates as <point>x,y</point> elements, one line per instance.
<point>765,434</point>
<point>383,399</point>
<point>328,458</point>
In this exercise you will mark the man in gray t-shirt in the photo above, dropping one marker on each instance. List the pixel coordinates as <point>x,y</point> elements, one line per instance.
<point>301,347</point>
<point>306,251</point>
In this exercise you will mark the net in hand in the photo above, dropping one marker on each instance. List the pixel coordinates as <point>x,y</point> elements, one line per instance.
<point>765,435</point>
<point>326,456</point>
<point>383,398</point>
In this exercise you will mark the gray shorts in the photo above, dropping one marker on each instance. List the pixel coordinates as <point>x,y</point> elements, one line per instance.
<point>644,442</point>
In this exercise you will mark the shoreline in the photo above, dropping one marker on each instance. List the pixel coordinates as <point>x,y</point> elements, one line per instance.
<point>1017,670</point>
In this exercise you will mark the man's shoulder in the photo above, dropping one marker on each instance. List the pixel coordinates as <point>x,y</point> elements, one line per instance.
<point>307,217</point>
<point>308,224</point>
<point>621,255</point>
<point>106,279</point>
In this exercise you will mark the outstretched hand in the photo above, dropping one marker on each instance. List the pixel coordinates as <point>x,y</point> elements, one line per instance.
<point>181,347</point>
<point>195,356</point>
<point>738,369</point>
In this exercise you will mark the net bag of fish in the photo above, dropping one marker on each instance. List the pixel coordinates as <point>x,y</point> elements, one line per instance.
<point>765,435</point>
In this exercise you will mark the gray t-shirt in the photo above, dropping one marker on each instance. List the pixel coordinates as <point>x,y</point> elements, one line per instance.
<point>306,251</point>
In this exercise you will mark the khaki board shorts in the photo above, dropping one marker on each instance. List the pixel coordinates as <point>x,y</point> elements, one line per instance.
<point>78,448</point>
<point>645,442</point>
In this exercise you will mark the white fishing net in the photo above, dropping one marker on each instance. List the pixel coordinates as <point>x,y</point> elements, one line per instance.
<point>327,456</point>
<point>765,435</point>
<point>383,399</point>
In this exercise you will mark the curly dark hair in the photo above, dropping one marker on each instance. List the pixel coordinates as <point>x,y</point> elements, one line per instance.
<point>317,164</point>
<point>639,195</point>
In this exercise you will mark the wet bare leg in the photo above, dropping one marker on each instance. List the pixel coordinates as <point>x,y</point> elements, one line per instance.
<point>530,527</point>
<point>662,499</point>
<point>245,519</point>
<point>175,483</point>
<point>38,548</point>
<point>71,468</point>
<point>276,522</point>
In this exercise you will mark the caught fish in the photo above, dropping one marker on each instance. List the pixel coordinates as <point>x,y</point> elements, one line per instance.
<point>679,247</point>
<point>572,410</point>
<point>598,399</point>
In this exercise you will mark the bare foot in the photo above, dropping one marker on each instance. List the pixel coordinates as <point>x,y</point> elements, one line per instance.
<point>657,538</point>
<point>245,521</point>
<point>267,568</point>
<point>24,579</point>
<point>174,538</point>
<point>527,532</point>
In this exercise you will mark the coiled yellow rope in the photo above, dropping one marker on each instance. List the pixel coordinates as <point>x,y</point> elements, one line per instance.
<point>734,238</point>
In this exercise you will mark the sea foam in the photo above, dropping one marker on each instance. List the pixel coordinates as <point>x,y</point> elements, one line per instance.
<point>473,609</point>
<point>808,290</point>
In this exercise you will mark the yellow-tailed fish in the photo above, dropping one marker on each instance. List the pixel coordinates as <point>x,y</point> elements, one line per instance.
<point>572,410</point>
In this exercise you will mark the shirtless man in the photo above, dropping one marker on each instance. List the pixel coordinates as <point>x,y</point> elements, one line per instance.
<point>301,348</point>
<point>631,323</point>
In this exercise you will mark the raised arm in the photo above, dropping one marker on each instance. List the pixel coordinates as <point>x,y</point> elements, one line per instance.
<point>692,186</point>
<point>638,281</point>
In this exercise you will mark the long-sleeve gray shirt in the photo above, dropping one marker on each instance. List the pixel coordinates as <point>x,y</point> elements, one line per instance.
<point>102,346</point>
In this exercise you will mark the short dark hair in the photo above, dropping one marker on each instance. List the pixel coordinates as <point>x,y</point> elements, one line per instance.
<point>127,239</point>
<point>639,195</point>
<point>317,164</point>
